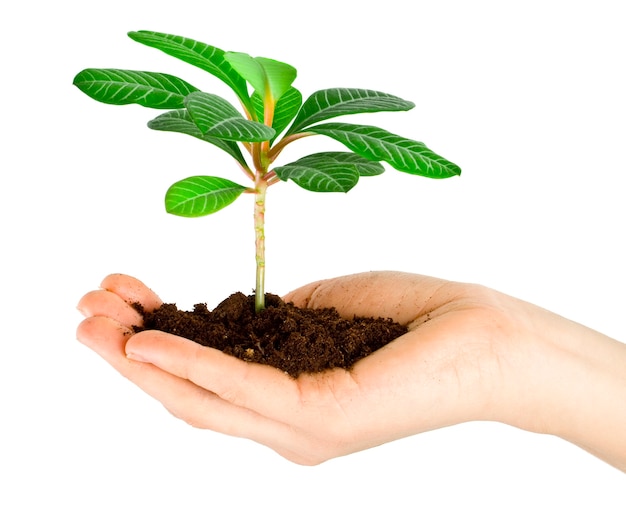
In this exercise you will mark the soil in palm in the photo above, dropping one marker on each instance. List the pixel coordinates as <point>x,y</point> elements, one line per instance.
<point>292,339</point>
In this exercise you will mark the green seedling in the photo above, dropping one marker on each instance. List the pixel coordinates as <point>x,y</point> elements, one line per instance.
<point>274,115</point>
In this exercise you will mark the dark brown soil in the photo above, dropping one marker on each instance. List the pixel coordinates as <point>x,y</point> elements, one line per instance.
<point>292,339</point>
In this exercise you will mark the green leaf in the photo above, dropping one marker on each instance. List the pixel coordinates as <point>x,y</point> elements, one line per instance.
<point>199,54</point>
<point>249,69</point>
<point>280,76</point>
<point>180,121</point>
<point>201,195</point>
<point>265,75</point>
<point>403,154</point>
<point>363,166</point>
<point>325,104</point>
<point>286,108</point>
<point>328,172</point>
<point>121,87</point>
<point>218,118</point>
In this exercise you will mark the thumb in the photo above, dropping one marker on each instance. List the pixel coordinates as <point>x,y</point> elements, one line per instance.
<point>388,294</point>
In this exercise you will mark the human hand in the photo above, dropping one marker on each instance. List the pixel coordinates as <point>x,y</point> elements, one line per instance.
<point>471,353</point>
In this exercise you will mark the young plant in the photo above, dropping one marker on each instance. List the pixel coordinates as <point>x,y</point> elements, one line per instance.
<point>274,115</point>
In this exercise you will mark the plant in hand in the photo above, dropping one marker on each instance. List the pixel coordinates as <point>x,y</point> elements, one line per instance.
<point>272,116</point>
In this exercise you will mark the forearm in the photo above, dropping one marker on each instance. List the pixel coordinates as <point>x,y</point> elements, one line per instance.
<point>580,385</point>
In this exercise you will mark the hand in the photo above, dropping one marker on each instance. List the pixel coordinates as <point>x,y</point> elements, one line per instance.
<point>471,353</point>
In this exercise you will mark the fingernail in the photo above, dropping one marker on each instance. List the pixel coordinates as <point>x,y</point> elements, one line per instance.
<point>136,357</point>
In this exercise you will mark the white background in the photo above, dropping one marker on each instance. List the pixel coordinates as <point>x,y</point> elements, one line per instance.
<point>526,96</point>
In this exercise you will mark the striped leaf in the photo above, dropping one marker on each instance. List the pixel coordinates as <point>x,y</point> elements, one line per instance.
<point>180,121</point>
<point>121,87</point>
<point>333,102</point>
<point>217,117</point>
<point>201,195</point>
<point>403,154</point>
<point>328,172</point>
<point>199,54</point>
<point>364,166</point>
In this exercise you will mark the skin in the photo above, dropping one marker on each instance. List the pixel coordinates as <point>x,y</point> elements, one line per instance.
<point>471,354</point>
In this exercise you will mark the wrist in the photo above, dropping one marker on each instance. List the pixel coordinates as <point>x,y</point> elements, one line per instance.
<point>572,384</point>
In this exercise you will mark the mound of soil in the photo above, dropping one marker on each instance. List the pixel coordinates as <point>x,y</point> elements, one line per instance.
<point>293,339</point>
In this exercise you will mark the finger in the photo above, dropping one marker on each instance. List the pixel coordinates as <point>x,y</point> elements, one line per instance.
<point>259,402</point>
<point>131,290</point>
<point>260,388</point>
<point>105,336</point>
<point>402,297</point>
<point>108,304</point>
<point>181,397</point>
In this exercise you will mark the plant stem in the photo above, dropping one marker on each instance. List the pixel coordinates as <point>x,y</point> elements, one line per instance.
<point>259,233</point>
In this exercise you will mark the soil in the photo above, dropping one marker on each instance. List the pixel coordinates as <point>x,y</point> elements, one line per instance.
<point>293,339</point>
